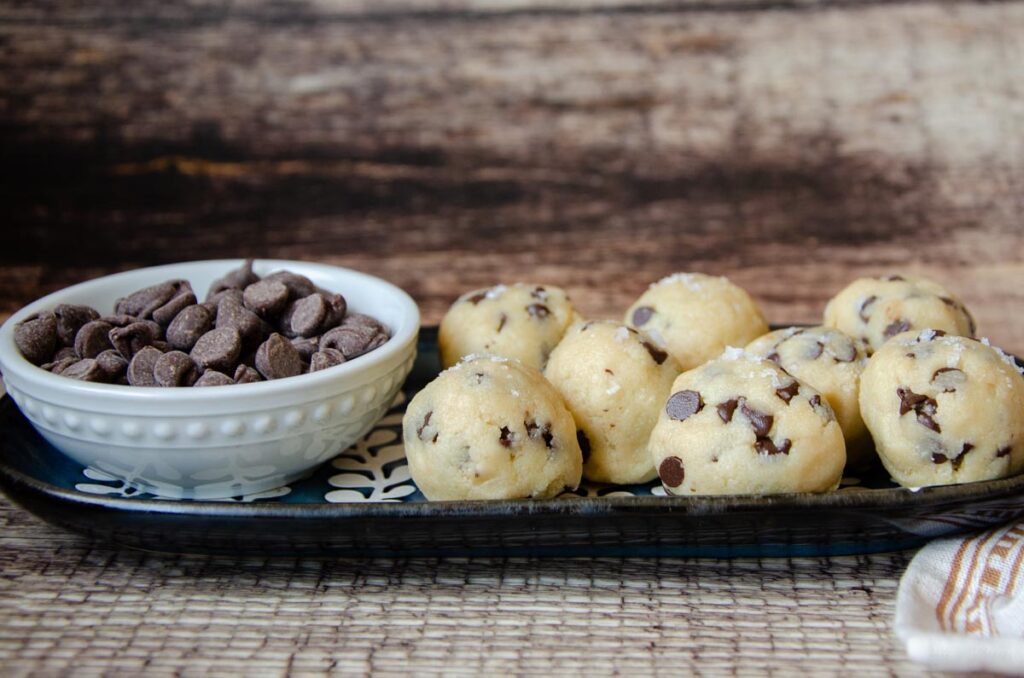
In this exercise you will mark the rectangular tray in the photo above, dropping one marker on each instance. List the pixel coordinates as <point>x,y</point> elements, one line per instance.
<point>363,503</point>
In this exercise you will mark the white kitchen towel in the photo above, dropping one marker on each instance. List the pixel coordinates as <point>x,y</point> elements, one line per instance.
<point>960,605</point>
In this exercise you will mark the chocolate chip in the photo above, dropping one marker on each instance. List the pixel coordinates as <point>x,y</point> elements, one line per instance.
<point>535,431</point>
<point>299,286</point>
<point>113,364</point>
<point>767,446</point>
<point>58,366</point>
<point>175,369</point>
<point>329,357</point>
<point>935,334</point>
<point>1003,451</point>
<point>306,346</point>
<point>786,393</point>
<point>245,374</point>
<point>355,336</point>
<point>584,443</point>
<point>895,327</point>
<point>843,350</point>
<point>213,378</point>
<point>949,378</point>
<point>959,459</point>
<point>190,324</point>
<point>502,319</point>
<point>477,297</point>
<point>894,278</point>
<point>93,339</point>
<point>815,401</point>
<point>36,337</point>
<point>539,311</point>
<point>507,438</point>
<point>140,369</point>
<point>670,470</point>
<point>761,422</point>
<point>773,357</point>
<point>276,358</point>
<point>939,458</point>
<point>218,350</point>
<point>864,307</point>
<point>85,370</point>
<point>642,314</point>
<point>183,298</point>
<point>130,339</point>
<point>230,313</point>
<point>539,292</point>
<point>424,424</point>
<point>726,409</point>
<point>817,348</point>
<point>683,405</point>
<point>306,316</point>
<point>142,303</point>
<point>232,293</point>
<point>65,352</point>
<point>70,318</point>
<point>266,298</point>
<point>238,279</point>
<point>657,354</point>
<point>923,406</point>
<point>119,320</point>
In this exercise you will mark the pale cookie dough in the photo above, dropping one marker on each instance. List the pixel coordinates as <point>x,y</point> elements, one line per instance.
<point>694,316</point>
<point>742,425</point>
<point>830,362</point>
<point>491,428</point>
<point>613,379</point>
<point>877,309</point>
<point>944,409</point>
<point>521,321</point>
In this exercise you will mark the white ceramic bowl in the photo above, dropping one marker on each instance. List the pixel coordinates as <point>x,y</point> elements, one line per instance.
<point>226,440</point>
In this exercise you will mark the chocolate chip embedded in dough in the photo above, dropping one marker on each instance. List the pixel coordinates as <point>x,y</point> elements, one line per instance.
<point>218,349</point>
<point>140,369</point>
<point>539,311</point>
<point>276,358</point>
<point>671,471</point>
<point>894,278</point>
<point>502,319</point>
<point>329,357</point>
<point>190,324</point>
<point>815,400</point>
<point>93,339</point>
<point>423,426</point>
<point>584,443</point>
<point>948,379</point>
<point>70,319</point>
<point>85,370</point>
<point>787,392</point>
<point>817,348</point>
<point>767,446</point>
<point>642,314</point>
<point>175,369</point>
<point>842,349</point>
<point>213,378</point>
<point>760,421</point>
<point>773,357</point>
<point>36,337</point>
<point>1003,451</point>
<point>506,437</point>
<point>923,407</point>
<point>477,298</point>
<point>683,404</point>
<point>939,458</point>
<point>864,305</point>
<point>895,327</point>
<point>725,410</point>
<point>657,354</point>
<point>959,459</point>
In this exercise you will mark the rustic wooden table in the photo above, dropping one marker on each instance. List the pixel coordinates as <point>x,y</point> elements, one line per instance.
<point>594,144</point>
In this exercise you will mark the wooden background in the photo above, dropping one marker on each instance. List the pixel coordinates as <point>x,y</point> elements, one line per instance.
<point>447,144</point>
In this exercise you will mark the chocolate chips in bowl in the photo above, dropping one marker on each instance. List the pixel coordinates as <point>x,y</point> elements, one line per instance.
<point>247,329</point>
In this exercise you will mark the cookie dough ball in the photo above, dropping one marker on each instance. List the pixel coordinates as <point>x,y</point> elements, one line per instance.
<point>695,316</point>
<point>613,379</point>
<point>877,309</point>
<point>944,409</point>
<point>831,363</point>
<point>742,425</point>
<point>521,321</point>
<point>491,428</point>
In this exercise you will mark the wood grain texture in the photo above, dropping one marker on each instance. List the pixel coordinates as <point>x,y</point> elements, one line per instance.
<point>594,144</point>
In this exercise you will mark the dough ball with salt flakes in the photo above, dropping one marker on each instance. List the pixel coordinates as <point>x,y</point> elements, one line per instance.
<point>831,362</point>
<point>491,428</point>
<point>743,425</point>
<point>695,316</point>
<point>877,309</point>
<point>521,321</point>
<point>613,379</point>
<point>944,409</point>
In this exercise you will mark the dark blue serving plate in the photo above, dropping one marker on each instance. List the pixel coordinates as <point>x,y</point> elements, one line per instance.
<point>364,503</point>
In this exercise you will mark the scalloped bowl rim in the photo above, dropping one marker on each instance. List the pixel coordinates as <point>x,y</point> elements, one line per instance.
<point>19,372</point>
